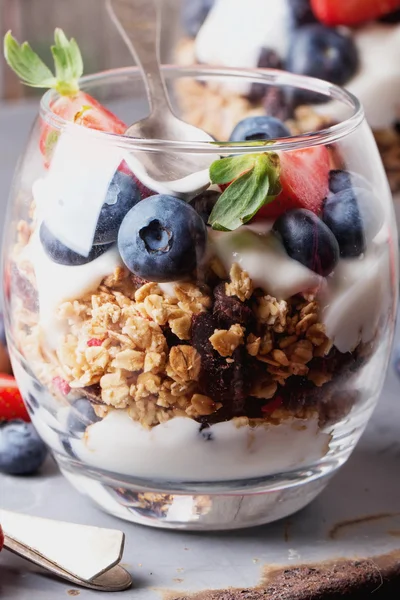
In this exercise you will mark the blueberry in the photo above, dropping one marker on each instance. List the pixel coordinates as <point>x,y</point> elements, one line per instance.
<point>321,52</point>
<point>81,415</point>
<point>268,59</point>
<point>308,240</point>
<point>122,195</point>
<point>354,217</point>
<point>204,203</point>
<point>259,128</point>
<point>340,180</point>
<point>22,452</point>
<point>194,13</point>
<point>162,239</point>
<point>301,12</point>
<point>61,254</point>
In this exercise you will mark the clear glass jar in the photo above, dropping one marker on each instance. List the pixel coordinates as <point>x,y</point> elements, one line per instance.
<point>185,376</point>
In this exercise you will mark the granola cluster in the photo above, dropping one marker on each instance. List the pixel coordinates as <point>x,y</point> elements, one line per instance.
<point>210,352</point>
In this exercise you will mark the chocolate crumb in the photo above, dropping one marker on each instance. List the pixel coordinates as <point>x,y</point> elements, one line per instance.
<point>230,310</point>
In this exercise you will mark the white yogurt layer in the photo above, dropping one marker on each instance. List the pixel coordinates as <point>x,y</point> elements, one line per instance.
<point>357,296</point>
<point>236,30</point>
<point>176,450</point>
<point>265,260</point>
<point>377,83</point>
<point>59,283</point>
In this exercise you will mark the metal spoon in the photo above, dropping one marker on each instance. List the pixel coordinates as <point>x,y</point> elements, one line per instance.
<point>139,22</point>
<point>85,556</point>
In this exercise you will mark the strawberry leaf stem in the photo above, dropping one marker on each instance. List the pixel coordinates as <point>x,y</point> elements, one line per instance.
<point>33,72</point>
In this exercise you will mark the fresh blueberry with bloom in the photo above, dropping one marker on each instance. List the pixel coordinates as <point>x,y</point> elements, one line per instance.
<point>308,240</point>
<point>62,255</point>
<point>162,239</point>
<point>259,128</point>
<point>22,452</point>
<point>122,195</point>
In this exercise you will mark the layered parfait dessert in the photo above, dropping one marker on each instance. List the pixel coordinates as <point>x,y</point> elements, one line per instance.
<point>235,331</point>
<point>353,44</point>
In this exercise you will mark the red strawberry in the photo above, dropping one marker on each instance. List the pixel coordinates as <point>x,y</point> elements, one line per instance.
<point>83,110</point>
<point>352,12</point>
<point>72,105</point>
<point>304,179</point>
<point>11,404</point>
<point>1,539</point>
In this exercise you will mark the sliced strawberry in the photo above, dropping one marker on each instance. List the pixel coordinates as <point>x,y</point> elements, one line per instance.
<point>11,404</point>
<point>83,110</point>
<point>72,105</point>
<point>304,179</point>
<point>351,12</point>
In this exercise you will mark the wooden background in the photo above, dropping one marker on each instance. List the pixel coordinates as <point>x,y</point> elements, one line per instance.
<point>86,20</point>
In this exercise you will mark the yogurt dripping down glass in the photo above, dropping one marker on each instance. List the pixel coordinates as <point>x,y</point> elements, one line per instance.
<point>206,358</point>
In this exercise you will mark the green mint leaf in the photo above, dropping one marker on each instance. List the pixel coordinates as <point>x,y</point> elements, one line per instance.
<point>67,61</point>
<point>227,169</point>
<point>32,70</point>
<point>27,64</point>
<point>240,201</point>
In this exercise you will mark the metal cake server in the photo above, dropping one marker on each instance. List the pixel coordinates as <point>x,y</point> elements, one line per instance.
<point>85,556</point>
<point>139,23</point>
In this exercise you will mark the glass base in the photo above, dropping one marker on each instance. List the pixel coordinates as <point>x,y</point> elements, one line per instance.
<point>202,512</point>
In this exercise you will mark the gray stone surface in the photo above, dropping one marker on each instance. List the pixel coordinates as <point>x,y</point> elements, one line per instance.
<point>369,484</point>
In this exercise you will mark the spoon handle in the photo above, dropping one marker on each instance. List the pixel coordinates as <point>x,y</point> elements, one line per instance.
<point>139,23</point>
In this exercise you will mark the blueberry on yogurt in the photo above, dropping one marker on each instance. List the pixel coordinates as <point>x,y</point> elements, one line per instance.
<point>354,217</point>
<point>322,52</point>
<point>340,180</point>
<point>308,240</point>
<point>62,255</point>
<point>122,195</point>
<point>162,239</point>
<point>259,128</point>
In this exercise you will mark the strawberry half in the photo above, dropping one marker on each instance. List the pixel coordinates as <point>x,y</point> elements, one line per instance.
<point>72,105</point>
<point>11,404</point>
<point>351,12</point>
<point>304,178</point>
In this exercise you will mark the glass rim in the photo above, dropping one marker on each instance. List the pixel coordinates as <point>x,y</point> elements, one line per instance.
<point>276,77</point>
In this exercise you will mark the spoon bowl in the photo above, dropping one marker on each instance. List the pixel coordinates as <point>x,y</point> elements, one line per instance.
<point>139,23</point>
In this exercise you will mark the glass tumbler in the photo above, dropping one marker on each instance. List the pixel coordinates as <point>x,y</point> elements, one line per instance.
<point>201,353</point>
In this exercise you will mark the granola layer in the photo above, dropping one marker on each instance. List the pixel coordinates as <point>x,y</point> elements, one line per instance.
<point>210,351</point>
